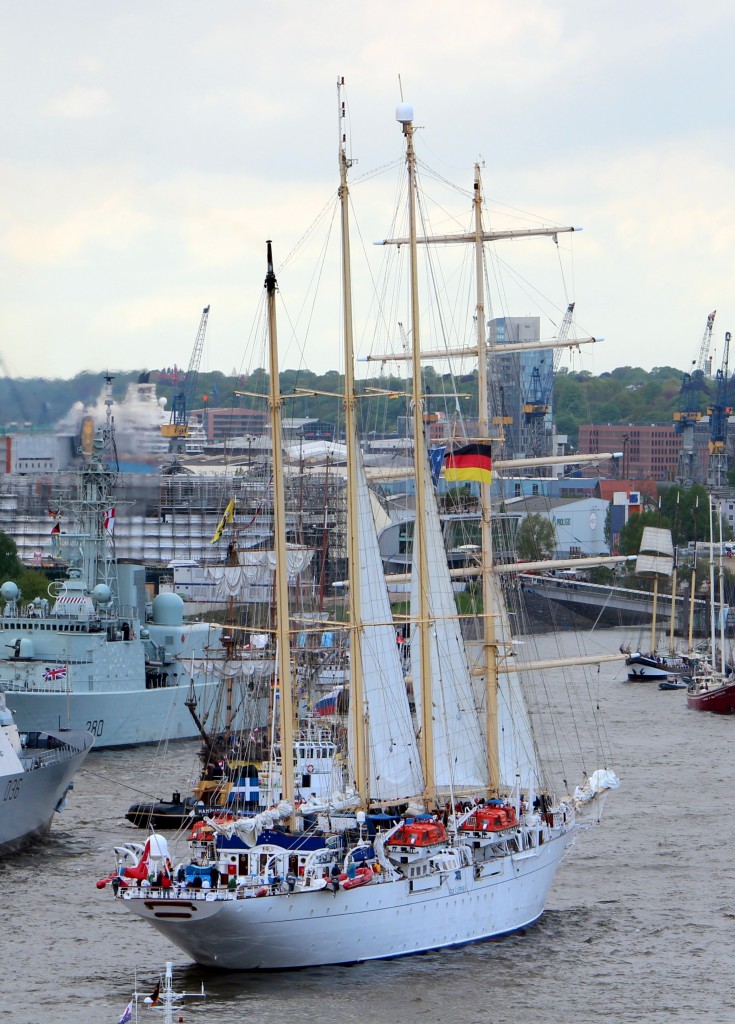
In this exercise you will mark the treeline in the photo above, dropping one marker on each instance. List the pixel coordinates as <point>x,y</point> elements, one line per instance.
<point>40,403</point>
<point>625,395</point>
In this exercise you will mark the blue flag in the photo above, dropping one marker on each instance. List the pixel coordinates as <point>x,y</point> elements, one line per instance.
<point>436,461</point>
<point>127,1013</point>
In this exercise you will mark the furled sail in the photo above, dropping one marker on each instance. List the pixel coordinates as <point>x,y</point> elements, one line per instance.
<point>252,578</point>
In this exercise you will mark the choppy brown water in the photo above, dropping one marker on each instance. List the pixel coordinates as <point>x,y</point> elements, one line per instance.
<point>639,925</point>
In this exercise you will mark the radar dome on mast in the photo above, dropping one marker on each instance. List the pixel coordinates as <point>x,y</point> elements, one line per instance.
<point>404,113</point>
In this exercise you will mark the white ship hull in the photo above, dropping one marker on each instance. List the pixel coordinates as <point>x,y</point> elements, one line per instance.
<point>30,798</point>
<point>380,920</point>
<point>647,667</point>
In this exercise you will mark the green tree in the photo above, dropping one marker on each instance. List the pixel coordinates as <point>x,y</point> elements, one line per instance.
<point>11,566</point>
<point>536,538</point>
<point>631,533</point>
<point>33,584</point>
<point>687,509</point>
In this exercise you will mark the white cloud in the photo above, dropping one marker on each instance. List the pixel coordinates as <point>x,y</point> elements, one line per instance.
<point>176,140</point>
<point>79,103</point>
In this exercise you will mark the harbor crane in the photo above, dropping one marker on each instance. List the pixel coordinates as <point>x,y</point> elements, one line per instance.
<point>537,404</point>
<point>719,414</point>
<point>689,413</point>
<point>177,429</point>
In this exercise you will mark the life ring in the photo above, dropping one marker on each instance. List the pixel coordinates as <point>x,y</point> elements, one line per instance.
<point>310,769</point>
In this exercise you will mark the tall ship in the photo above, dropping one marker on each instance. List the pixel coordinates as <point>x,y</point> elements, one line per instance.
<point>36,773</point>
<point>91,656</point>
<point>445,829</point>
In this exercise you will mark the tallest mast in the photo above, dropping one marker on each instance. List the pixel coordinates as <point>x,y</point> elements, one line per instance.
<point>490,648</point>
<point>404,115</point>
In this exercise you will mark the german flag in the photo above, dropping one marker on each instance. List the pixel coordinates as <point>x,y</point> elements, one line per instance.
<point>472,462</point>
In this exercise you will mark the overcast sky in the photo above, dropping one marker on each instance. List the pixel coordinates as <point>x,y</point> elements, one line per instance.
<point>149,149</point>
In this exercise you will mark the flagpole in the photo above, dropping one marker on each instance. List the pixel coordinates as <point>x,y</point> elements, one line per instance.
<point>68,696</point>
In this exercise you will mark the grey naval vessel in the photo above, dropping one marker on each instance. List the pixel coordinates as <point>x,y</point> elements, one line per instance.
<point>90,657</point>
<point>36,771</point>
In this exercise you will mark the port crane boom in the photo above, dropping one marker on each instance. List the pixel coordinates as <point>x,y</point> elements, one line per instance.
<point>719,414</point>
<point>689,413</point>
<point>537,404</point>
<point>178,425</point>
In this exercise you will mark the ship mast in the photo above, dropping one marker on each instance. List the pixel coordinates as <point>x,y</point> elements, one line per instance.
<point>490,647</point>
<point>404,115</point>
<point>284,666</point>
<point>357,699</point>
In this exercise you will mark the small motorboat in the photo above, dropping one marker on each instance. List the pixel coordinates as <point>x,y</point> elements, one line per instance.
<point>672,684</point>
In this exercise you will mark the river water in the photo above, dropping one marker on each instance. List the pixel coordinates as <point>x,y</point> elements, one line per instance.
<point>638,927</point>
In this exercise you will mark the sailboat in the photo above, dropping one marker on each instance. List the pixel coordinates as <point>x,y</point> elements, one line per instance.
<point>441,835</point>
<point>657,561</point>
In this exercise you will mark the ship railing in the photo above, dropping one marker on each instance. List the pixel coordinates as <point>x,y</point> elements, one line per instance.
<point>178,891</point>
<point>62,670</point>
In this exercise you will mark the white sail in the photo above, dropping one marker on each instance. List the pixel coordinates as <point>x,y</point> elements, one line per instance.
<point>656,556</point>
<point>517,752</point>
<point>393,759</point>
<point>459,741</point>
<point>654,565</point>
<point>657,541</point>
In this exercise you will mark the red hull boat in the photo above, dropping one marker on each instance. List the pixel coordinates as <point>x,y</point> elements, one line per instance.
<point>713,695</point>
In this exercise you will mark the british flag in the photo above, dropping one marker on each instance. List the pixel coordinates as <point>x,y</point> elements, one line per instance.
<point>52,675</point>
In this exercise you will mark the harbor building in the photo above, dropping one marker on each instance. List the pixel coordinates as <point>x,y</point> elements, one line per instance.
<point>522,393</point>
<point>650,450</point>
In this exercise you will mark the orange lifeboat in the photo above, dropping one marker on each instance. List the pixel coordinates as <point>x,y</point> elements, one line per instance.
<point>202,832</point>
<point>419,833</point>
<point>491,819</point>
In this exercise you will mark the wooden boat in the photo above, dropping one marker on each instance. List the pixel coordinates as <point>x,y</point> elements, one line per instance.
<point>712,692</point>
